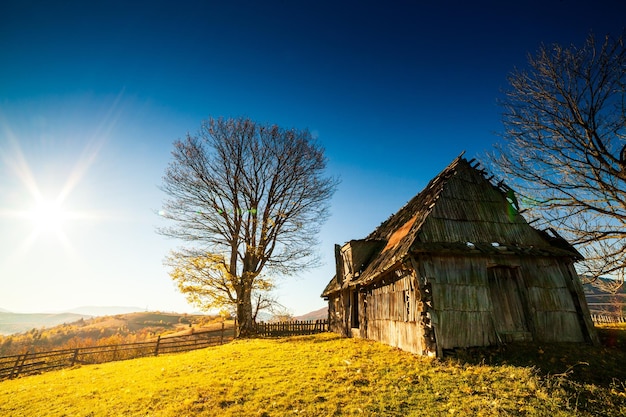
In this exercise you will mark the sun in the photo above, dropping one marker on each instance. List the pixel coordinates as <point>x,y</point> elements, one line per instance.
<point>47,216</point>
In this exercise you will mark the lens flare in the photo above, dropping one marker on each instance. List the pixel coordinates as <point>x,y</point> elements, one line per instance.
<point>47,211</point>
<point>47,216</point>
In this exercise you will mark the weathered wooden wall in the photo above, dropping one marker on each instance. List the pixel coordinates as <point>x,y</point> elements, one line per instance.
<point>556,317</point>
<point>448,301</point>
<point>334,314</point>
<point>393,314</point>
<point>462,306</point>
<point>339,313</point>
<point>463,301</point>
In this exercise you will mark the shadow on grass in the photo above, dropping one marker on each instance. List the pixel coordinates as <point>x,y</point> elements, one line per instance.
<point>594,377</point>
<point>582,363</point>
<point>323,337</point>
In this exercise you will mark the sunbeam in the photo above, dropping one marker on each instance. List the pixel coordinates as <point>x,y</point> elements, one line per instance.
<point>46,209</point>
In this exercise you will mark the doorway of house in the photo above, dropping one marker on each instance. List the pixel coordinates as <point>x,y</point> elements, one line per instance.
<point>354,316</point>
<point>508,296</point>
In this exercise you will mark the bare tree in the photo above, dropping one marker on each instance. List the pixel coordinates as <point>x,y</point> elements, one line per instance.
<point>612,291</point>
<point>565,149</point>
<point>250,200</point>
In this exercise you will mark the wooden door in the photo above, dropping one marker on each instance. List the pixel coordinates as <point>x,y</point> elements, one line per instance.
<point>509,311</point>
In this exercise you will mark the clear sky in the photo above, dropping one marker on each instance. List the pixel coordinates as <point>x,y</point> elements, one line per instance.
<point>93,94</point>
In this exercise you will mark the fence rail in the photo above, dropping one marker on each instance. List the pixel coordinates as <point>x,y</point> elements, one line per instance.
<point>603,318</point>
<point>291,328</point>
<point>36,362</point>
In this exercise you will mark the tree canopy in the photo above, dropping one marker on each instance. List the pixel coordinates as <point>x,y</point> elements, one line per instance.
<point>565,146</point>
<point>249,199</point>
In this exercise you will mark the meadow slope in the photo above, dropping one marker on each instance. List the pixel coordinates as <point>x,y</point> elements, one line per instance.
<point>109,330</point>
<point>320,375</point>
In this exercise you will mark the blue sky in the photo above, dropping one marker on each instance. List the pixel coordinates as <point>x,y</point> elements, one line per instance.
<point>93,94</point>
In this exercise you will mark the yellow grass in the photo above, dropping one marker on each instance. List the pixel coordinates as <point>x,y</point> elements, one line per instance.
<point>320,375</point>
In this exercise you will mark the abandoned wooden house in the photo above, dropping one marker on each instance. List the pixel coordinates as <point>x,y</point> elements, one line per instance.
<point>458,266</point>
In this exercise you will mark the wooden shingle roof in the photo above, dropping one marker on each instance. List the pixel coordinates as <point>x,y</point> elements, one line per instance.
<point>459,211</point>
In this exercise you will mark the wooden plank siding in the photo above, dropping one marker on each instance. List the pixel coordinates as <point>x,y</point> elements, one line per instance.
<point>462,300</point>
<point>393,313</point>
<point>335,315</point>
<point>339,312</point>
<point>464,329</point>
<point>558,326</point>
<point>575,287</point>
<point>406,336</point>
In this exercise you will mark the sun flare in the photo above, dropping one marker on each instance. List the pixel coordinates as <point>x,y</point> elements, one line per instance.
<point>47,216</point>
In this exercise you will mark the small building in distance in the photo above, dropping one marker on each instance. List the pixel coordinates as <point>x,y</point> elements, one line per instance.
<point>458,266</point>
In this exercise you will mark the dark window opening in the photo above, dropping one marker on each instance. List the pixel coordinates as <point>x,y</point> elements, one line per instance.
<point>354,316</point>
<point>407,304</point>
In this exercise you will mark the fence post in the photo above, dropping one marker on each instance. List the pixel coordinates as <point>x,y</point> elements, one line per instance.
<point>17,362</point>
<point>74,357</point>
<point>156,348</point>
<point>222,334</point>
<point>17,368</point>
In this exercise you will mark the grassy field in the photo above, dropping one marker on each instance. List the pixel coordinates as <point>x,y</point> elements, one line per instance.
<point>321,375</point>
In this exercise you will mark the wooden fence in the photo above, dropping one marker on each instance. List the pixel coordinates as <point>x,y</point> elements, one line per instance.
<point>291,328</point>
<point>37,362</point>
<point>602,318</point>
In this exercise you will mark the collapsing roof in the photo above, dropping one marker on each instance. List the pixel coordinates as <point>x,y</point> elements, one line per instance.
<point>459,211</point>
<point>458,266</point>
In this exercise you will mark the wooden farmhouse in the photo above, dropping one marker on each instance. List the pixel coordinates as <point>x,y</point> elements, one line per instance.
<point>458,266</point>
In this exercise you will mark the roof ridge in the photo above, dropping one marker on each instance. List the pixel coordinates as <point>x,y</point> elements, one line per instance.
<point>436,181</point>
<point>448,226</point>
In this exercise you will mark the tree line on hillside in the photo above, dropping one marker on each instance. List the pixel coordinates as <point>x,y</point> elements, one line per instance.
<point>99,331</point>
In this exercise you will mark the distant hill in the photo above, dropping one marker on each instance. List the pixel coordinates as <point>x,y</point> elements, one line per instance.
<point>97,311</point>
<point>602,302</point>
<point>11,323</point>
<point>320,314</point>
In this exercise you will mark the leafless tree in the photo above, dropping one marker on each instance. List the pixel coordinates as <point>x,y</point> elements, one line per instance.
<point>249,199</point>
<point>565,146</point>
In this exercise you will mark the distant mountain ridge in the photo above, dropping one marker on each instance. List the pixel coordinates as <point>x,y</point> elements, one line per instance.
<point>603,302</point>
<point>320,314</point>
<point>97,311</point>
<point>591,288</point>
<point>11,323</point>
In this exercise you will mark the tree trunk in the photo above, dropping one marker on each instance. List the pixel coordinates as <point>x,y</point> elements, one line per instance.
<point>245,322</point>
